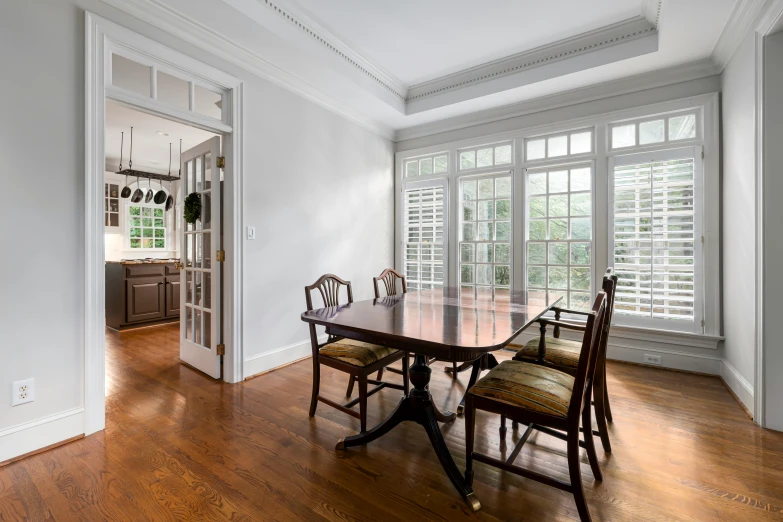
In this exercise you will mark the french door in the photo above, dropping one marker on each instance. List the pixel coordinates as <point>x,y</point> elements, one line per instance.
<point>200,276</point>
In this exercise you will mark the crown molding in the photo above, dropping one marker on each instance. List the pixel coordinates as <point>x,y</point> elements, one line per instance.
<point>651,10</point>
<point>608,44</point>
<point>744,17</point>
<point>640,82</point>
<point>157,14</point>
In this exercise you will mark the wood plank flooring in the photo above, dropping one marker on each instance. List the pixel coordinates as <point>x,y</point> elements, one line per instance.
<point>179,446</point>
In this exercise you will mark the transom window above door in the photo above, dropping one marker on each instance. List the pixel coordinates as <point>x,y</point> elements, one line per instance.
<point>559,145</point>
<point>486,156</point>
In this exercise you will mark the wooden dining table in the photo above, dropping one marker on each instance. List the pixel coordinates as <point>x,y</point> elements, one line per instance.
<point>451,324</point>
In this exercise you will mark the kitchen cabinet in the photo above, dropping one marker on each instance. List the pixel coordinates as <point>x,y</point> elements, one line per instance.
<point>141,293</point>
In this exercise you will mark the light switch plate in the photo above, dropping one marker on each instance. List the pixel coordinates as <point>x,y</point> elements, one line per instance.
<point>251,233</point>
<point>22,392</point>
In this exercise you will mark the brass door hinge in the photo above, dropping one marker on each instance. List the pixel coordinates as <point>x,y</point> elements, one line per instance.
<point>221,255</point>
<point>221,349</point>
<point>221,162</point>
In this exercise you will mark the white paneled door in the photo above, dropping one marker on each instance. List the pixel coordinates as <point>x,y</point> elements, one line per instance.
<point>200,275</point>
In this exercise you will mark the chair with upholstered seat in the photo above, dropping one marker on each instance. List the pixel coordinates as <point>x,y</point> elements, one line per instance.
<point>545,396</point>
<point>356,358</point>
<point>563,355</point>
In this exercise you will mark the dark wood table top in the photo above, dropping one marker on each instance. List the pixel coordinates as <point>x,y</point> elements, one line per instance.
<point>450,323</point>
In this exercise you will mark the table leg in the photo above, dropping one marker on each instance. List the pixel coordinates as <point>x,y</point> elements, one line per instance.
<point>418,407</point>
<point>478,365</point>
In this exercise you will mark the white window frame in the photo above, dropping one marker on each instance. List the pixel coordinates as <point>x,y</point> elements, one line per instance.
<point>697,326</point>
<point>400,230</point>
<point>127,226</point>
<point>475,149</point>
<point>568,156</point>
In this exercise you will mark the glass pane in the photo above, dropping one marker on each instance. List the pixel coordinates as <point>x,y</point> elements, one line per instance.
<point>558,277</point>
<point>484,231</point>
<point>467,252</point>
<point>425,167</point>
<point>159,223</point>
<point>206,211</point>
<point>558,205</point>
<point>114,191</point>
<point>135,243</point>
<point>580,179</point>
<point>466,274</point>
<point>207,330</point>
<point>485,189</point>
<point>536,253</point>
<point>536,183</point>
<point>158,213</point>
<point>651,132</point>
<point>198,246</point>
<point>130,75</point>
<point>580,279</point>
<point>503,209</point>
<point>558,253</point>
<point>558,181</point>
<point>682,127</point>
<point>199,179</point>
<point>160,233</point>
<point>580,253</point>
<point>623,136</point>
<point>538,207</point>
<point>580,228</point>
<point>580,205</point>
<point>503,187</point>
<point>536,149</point>
<point>189,250</point>
<point>485,210</point>
<point>146,211</point>
<point>558,229</point>
<point>579,301</point>
<point>557,146</point>
<point>553,296</point>
<point>207,171</point>
<point>188,323</point>
<point>484,253</point>
<point>469,232</point>
<point>536,276</point>
<point>537,229</point>
<point>440,164</point>
<point>160,243</point>
<point>483,274</point>
<point>536,297</point>
<point>208,103</point>
<point>411,169</point>
<point>503,231</point>
<point>114,220</point>
<point>147,243</point>
<point>581,142</point>
<point>173,90</point>
<point>502,253</point>
<point>197,327</point>
<point>207,290</point>
<point>502,275</point>
<point>503,155</point>
<point>469,190</point>
<point>484,158</point>
<point>467,160</point>
<point>189,287</point>
<point>146,232</point>
<point>469,211</point>
<point>197,294</point>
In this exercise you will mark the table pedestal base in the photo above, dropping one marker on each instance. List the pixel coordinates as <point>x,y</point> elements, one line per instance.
<point>418,407</point>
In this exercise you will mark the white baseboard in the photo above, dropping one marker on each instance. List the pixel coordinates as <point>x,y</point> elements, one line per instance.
<point>740,386</point>
<point>30,436</point>
<point>263,362</point>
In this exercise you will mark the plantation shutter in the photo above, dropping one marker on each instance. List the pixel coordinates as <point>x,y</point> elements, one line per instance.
<point>423,239</point>
<point>657,239</point>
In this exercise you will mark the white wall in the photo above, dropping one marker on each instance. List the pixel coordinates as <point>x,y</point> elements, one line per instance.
<point>318,189</point>
<point>739,243</point>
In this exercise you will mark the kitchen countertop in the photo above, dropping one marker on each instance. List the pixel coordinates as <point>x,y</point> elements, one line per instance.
<point>144,261</point>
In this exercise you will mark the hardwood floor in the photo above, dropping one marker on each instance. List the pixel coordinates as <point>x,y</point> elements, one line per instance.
<point>179,446</point>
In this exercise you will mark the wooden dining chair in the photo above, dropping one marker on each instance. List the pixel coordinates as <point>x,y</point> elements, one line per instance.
<point>357,359</point>
<point>563,354</point>
<point>536,394</point>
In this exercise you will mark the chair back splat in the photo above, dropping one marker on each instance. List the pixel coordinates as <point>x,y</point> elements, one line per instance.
<point>329,287</point>
<point>389,278</point>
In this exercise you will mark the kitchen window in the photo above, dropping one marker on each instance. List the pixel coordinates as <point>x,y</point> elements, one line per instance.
<point>146,227</point>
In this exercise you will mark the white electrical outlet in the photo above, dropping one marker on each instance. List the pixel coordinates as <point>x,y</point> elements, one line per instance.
<point>251,232</point>
<point>22,392</point>
<point>652,359</point>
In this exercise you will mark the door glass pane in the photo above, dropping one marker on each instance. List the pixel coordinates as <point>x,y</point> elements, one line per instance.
<point>207,290</point>
<point>188,323</point>
<point>206,211</point>
<point>188,185</point>
<point>208,103</point>
<point>206,253</point>
<point>197,256</point>
<point>189,250</point>
<point>199,179</point>
<point>197,295</point>
<point>173,90</point>
<point>207,330</point>
<point>197,326</point>
<point>207,171</point>
<point>188,287</point>
<point>130,75</point>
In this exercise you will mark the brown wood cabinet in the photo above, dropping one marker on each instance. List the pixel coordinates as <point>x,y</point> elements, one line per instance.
<point>141,294</point>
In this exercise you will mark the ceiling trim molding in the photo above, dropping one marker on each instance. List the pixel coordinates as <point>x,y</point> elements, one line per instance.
<point>649,80</point>
<point>328,40</point>
<point>157,14</point>
<point>743,18</point>
<point>651,10</point>
<point>585,43</point>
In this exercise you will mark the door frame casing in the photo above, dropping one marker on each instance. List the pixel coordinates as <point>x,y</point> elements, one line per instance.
<point>100,35</point>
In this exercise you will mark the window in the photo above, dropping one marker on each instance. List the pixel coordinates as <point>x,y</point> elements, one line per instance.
<point>656,238</point>
<point>146,227</point>
<point>424,236</point>
<point>653,131</point>
<point>484,157</point>
<point>437,164</point>
<point>112,204</point>
<point>559,145</point>
<point>485,231</point>
<point>559,235</point>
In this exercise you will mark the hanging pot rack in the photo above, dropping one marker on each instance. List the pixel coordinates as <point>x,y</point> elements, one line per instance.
<point>130,171</point>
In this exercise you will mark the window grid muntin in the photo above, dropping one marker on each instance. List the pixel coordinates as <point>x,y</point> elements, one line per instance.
<point>570,266</point>
<point>419,202</point>
<point>666,117</point>
<point>509,145</point>
<point>568,135</point>
<point>473,266</point>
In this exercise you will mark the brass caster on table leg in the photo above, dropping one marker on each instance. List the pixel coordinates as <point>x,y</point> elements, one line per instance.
<point>340,444</point>
<point>473,502</point>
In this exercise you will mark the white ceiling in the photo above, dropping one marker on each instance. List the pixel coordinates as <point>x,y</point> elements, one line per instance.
<point>417,40</point>
<point>150,150</point>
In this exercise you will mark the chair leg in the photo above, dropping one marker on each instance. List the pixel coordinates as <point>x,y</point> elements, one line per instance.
<point>502,426</point>
<point>576,476</point>
<point>590,443</point>
<point>351,380</point>
<point>363,402</point>
<point>453,371</point>
<point>405,381</point>
<point>470,428</point>
<point>316,385</point>
<point>607,409</point>
<point>514,425</point>
<point>600,415</point>
<point>380,375</point>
